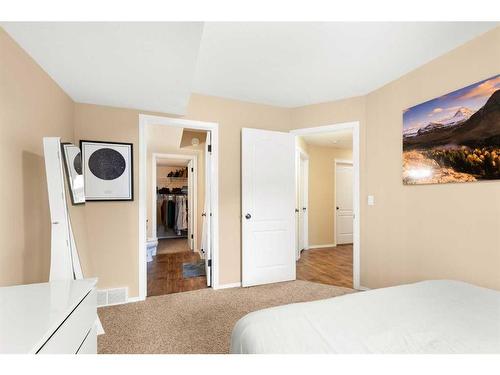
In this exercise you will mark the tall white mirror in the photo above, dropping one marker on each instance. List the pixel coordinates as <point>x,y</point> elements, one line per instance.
<point>65,185</point>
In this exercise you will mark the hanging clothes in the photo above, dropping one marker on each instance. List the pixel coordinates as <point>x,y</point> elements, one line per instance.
<point>171,210</point>
<point>181,214</point>
<point>159,211</point>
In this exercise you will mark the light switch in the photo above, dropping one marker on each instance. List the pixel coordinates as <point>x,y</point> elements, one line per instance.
<point>371,200</point>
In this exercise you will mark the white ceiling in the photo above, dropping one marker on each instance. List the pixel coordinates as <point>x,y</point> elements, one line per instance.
<point>156,66</point>
<point>294,64</point>
<point>339,139</point>
<point>147,66</point>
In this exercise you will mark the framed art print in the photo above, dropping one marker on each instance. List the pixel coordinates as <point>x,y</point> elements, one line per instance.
<point>107,170</point>
<point>73,166</point>
<point>454,137</point>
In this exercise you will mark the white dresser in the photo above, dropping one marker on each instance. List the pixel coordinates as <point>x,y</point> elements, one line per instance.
<point>55,317</point>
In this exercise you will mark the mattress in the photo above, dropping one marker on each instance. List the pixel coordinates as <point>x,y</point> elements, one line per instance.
<point>440,316</point>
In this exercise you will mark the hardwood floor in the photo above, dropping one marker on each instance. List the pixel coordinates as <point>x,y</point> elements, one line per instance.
<point>165,273</point>
<point>332,266</point>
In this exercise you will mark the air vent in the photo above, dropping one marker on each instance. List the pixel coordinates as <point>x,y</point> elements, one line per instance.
<point>102,297</point>
<point>108,297</point>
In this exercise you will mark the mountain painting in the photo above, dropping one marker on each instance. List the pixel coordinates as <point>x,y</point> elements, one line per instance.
<point>454,138</point>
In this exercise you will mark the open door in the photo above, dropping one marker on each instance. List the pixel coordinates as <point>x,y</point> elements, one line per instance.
<point>206,246</point>
<point>191,199</point>
<point>268,207</point>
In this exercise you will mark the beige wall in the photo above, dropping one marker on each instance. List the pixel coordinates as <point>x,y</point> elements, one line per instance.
<point>412,233</point>
<point>31,106</point>
<point>115,255</point>
<point>322,193</point>
<point>167,140</point>
<point>112,227</point>
<point>420,232</point>
<point>432,231</point>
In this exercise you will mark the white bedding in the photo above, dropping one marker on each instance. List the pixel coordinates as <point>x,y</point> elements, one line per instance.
<point>426,317</point>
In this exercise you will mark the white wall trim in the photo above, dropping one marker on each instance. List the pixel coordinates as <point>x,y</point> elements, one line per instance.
<point>363,288</point>
<point>134,299</point>
<point>144,121</point>
<point>354,125</point>
<point>194,204</point>
<point>129,300</point>
<point>321,246</point>
<point>228,286</point>
<point>301,155</point>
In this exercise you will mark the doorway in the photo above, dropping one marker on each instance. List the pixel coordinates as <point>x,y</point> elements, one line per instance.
<point>207,232</point>
<point>272,191</point>
<point>174,262</point>
<point>332,253</point>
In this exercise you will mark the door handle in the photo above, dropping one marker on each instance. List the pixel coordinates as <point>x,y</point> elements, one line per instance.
<point>304,208</point>
<point>296,210</point>
<point>248,216</point>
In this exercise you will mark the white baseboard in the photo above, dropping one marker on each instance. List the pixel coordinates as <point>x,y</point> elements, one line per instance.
<point>320,246</point>
<point>227,286</point>
<point>363,288</point>
<point>134,299</point>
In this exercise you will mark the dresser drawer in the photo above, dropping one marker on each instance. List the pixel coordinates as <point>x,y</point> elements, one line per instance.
<point>89,345</point>
<point>68,338</point>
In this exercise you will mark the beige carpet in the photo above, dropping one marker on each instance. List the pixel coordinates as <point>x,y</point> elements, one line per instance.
<point>172,245</point>
<point>200,321</point>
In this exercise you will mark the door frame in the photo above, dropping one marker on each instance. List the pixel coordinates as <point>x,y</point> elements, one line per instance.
<point>354,126</point>
<point>144,121</point>
<point>191,189</point>
<point>336,163</point>
<point>300,157</point>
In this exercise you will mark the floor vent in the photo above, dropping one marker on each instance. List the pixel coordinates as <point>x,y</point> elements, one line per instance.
<point>108,297</point>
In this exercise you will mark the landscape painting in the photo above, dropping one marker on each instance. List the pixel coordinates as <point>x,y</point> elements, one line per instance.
<point>454,138</point>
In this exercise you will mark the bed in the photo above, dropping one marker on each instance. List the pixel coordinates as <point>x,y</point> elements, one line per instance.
<point>440,316</point>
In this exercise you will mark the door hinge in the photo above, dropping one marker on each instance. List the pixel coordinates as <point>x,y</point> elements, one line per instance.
<point>192,236</point>
<point>209,148</point>
<point>192,169</point>
<point>209,262</point>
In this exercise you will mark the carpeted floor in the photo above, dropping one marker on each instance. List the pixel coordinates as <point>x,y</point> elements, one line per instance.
<point>200,321</point>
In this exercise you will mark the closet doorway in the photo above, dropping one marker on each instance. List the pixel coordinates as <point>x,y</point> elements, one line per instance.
<point>175,195</point>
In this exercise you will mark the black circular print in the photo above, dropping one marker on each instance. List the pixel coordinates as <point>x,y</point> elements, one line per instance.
<point>107,164</point>
<point>77,163</point>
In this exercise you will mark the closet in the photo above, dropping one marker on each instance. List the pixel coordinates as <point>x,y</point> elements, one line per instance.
<point>172,202</point>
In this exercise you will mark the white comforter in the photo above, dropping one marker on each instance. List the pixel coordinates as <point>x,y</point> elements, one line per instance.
<point>426,317</point>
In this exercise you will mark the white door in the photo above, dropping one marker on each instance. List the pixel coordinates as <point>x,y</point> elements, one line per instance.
<point>206,245</point>
<point>191,205</point>
<point>303,202</point>
<point>344,203</point>
<point>268,206</point>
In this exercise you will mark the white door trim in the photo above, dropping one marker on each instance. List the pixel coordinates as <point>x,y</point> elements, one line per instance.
<point>144,121</point>
<point>301,155</point>
<point>336,163</point>
<point>194,188</point>
<point>354,125</point>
